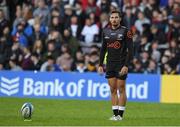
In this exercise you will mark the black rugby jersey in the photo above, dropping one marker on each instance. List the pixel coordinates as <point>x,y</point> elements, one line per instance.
<point>118,44</point>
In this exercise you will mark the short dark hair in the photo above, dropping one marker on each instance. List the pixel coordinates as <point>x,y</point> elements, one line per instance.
<point>118,12</point>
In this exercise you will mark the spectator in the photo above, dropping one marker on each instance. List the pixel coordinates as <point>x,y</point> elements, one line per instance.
<point>3,21</point>
<point>89,31</point>
<point>68,14</point>
<point>155,53</point>
<point>168,69</point>
<point>140,21</point>
<point>71,41</point>
<point>38,48</point>
<point>137,66</point>
<point>64,62</point>
<point>81,67</point>
<point>48,65</point>
<point>55,37</point>
<point>51,50</point>
<point>75,27</point>
<point>35,58</point>
<point>144,56</point>
<point>42,12</point>
<point>113,6</point>
<point>129,18</point>
<point>27,63</point>
<point>103,5</point>
<point>152,68</point>
<point>4,50</point>
<point>80,13</point>
<point>158,35</point>
<point>93,62</point>
<point>37,34</point>
<point>13,65</point>
<point>92,8</point>
<point>4,8</point>
<point>144,44</point>
<point>55,24</point>
<point>19,17</point>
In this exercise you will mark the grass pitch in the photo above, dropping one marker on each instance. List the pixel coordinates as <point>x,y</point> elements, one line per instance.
<point>49,112</point>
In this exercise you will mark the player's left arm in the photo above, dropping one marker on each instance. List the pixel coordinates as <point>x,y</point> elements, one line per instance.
<point>129,56</point>
<point>129,42</point>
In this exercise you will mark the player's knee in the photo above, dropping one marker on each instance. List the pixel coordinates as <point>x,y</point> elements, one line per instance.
<point>113,91</point>
<point>121,88</point>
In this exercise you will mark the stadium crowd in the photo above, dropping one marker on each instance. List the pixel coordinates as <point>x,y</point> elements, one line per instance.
<point>65,35</point>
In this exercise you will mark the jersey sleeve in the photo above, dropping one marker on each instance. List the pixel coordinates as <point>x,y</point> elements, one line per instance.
<point>102,50</point>
<point>129,41</point>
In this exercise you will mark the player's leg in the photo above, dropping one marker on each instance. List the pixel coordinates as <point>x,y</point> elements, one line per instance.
<point>122,98</point>
<point>114,98</point>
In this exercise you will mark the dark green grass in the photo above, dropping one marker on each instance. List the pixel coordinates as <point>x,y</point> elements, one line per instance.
<point>87,113</point>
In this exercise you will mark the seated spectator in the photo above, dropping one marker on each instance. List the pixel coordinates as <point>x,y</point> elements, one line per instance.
<point>81,67</point>
<point>42,12</point>
<point>93,62</point>
<point>3,22</point>
<point>144,45</point>
<point>21,33</point>
<point>48,65</point>
<point>56,37</point>
<point>64,62</point>
<point>38,48</point>
<point>89,31</point>
<point>35,58</point>
<point>103,5</point>
<point>51,50</point>
<point>155,53</point>
<point>152,68</point>
<point>158,35</point>
<point>16,52</point>
<point>168,69</point>
<point>37,34</point>
<point>144,57</point>
<point>5,50</point>
<point>75,27</point>
<point>18,15</point>
<point>27,63</point>
<point>140,21</point>
<point>71,41</point>
<point>137,66</point>
<point>55,24</point>
<point>129,18</point>
<point>92,8</point>
<point>14,66</point>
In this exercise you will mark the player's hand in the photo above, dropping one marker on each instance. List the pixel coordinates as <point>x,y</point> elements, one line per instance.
<point>100,70</point>
<point>124,70</point>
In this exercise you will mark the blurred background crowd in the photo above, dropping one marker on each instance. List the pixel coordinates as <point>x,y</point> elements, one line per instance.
<point>65,35</point>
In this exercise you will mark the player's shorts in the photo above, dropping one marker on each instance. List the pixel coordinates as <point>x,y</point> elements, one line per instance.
<point>113,69</point>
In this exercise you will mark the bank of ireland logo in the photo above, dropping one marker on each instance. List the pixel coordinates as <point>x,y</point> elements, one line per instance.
<point>9,86</point>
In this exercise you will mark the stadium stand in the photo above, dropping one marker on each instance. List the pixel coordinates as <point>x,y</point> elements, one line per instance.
<point>65,35</point>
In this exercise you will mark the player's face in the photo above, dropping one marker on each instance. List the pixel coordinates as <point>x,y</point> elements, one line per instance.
<point>115,19</point>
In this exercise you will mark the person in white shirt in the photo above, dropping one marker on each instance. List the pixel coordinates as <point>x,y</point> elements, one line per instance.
<point>141,20</point>
<point>89,31</point>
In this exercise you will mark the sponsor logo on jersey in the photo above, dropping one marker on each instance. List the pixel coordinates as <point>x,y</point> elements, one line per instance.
<point>115,45</point>
<point>119,37</point>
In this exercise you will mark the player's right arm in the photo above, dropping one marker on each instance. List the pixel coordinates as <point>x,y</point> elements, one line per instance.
<point>102,54</point>
<point>102,51</point>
